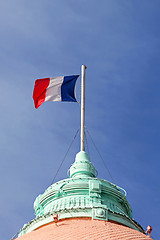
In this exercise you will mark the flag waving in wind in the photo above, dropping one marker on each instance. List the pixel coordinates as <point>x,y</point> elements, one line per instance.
<point>54,89</point>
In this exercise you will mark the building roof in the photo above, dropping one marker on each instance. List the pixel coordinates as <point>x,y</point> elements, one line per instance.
<point>86,207</point>
<point>82,229</point>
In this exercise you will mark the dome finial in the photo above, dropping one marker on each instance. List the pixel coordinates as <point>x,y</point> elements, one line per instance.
<point>82,167</point>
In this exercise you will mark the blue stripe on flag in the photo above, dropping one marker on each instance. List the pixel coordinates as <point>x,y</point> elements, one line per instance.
<point>67,88</point>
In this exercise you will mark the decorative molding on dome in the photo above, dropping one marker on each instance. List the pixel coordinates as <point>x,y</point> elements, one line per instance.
<point>81,193</point>
<point>82,197</point>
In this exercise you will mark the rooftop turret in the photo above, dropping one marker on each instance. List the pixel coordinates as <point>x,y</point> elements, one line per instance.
<point>82,195</point>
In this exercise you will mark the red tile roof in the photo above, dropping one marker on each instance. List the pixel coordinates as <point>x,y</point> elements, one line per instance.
<point>82,229</point>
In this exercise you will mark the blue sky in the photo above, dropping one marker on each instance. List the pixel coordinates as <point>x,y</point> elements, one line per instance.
<point>119,41</point>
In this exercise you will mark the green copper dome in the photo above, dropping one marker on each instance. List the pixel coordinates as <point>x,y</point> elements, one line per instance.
<point>82,195</point>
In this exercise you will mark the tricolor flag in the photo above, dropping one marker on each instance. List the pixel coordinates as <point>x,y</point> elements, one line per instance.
<point>54,89</point>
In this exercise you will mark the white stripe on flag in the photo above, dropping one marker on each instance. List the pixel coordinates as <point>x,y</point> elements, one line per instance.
<point>53,91</point>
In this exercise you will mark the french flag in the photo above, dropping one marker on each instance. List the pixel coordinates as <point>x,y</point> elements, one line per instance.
<point>54,89</point>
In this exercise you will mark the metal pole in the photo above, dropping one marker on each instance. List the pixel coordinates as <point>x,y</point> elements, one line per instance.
<point>83,68</point>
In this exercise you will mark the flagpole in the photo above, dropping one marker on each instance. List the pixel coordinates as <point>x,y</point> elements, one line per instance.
<point>83,68</point>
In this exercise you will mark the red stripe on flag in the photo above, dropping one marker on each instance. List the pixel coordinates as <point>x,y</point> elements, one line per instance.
<point>39,92</point>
